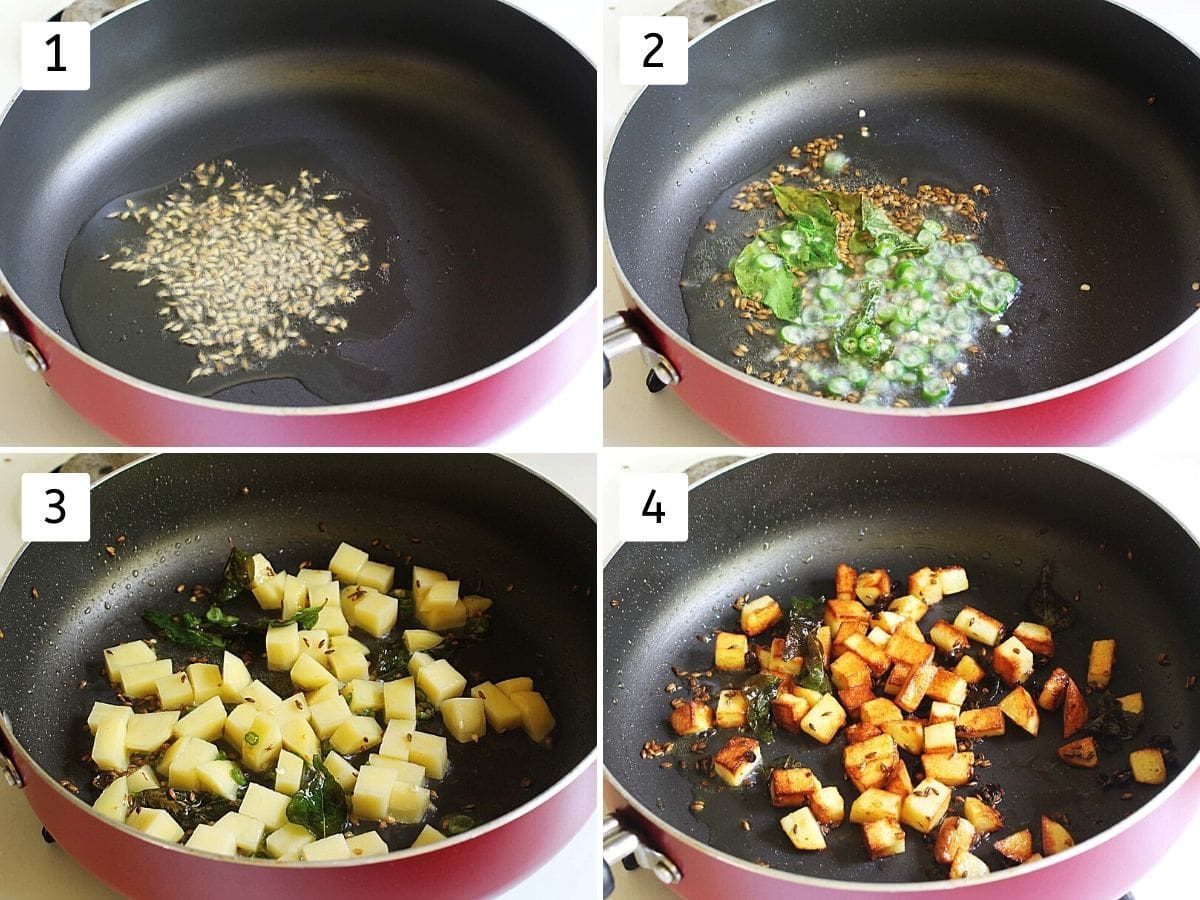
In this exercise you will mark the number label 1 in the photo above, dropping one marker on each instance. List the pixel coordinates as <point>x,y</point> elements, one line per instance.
<point>56,507</point>
<point>653,49</point>
<point>653,506</point>
<point>56,56</point>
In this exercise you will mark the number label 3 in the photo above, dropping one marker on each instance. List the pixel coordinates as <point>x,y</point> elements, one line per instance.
<point>56,56</point>
<point>653,50</point>
<point>56,507</point>
<point>653,506</point>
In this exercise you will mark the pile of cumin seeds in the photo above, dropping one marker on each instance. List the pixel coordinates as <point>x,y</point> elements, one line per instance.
<point>243,272</point>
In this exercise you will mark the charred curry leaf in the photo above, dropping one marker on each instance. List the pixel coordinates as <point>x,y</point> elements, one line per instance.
<point>759,691</point>
<point>188,808</point>
<point>392,661</point>
<point>319,804</point>
<point>802,641</point>
<point>1045,605</point>
<point>239,570</point>
<point>185,630</point>
<point>1112,723</point>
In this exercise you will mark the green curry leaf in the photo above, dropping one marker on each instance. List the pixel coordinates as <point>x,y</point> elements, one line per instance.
<point>319,804</point>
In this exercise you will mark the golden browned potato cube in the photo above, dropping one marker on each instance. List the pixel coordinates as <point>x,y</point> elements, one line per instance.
<point>1081,753</point>
<point>802,830</point>
<point>979,626</point>
<point>903,649</point>
<point>915,686</point>
<point>793,787</point>
<point>953,580</point>
<point>940,738</point>
<point>941,711</point>
<point>925,807</point>
<point>825,639</point>
<point>967,865</point>
<point>1100,664</point>
<point>729,651</point>
<point>1148,766</point>
<point>1018,847</point>
<point>1019,707</point>
<point>827,805</point>
<point>846,631</point>
<point>909,734</point>
<point>1055,838</point>
<point>952,770</point>
<point>878,636</point>
<point>886,620</point>
<point>848,671</point>
<point>858,732</point>
<point>926,584</point>
<point>824,719</point>
<point>813,697</point>
<point>873,586</point>
<point>1054,690</point>
<point>692,717</point>
<point>912,608</point>
<point>759,615</point>
<point>1075,711</point>
<point>871,653</point>
<point>737,759</point>
<point>883,838</point>
<point>788,711</point>
<point>947,687</point>
<point>878,711</point>
<point>776,664</point>
<point>1012,661</point>
<point>1132,703</point>
<point>983,817</point>
<point>853,698</point>
<point>869,764</point>
<point>731,709</point>
<point>1037,638</point>
<point>844,581</point>
<point>901,782</point>
<point>837,612</point>
<point>874,804</point>
<point>955,834</point>
<point>947,638</point>
<point>896,678</point>
<point>987,721</point>
<point>969,670</point>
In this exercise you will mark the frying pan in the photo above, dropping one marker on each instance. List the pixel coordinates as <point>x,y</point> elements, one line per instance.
<point>179,515</point>
<point>465,129</point>
<point>778,524</point>
<point>1080,117</point>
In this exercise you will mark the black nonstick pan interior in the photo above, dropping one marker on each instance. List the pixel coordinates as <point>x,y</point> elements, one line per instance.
<point>779,524</point>
<point>1078,115</point>
<point>178,515</point>
<point>468,126</point>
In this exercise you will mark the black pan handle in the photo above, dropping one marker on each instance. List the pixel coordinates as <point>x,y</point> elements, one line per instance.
<point>624,845</point>
<point>10,324</point>
<point>622,335</point>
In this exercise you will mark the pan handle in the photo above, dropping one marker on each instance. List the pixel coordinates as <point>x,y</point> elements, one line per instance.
<point>8,765</point>
<point>10,325</point>
<point>621,336</point>
<point>625,846</point>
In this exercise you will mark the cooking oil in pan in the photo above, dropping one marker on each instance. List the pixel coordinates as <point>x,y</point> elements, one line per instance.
<point>262,266</point>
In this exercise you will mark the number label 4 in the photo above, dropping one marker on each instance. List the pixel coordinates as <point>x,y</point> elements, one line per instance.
<point>653,49</point>
<point>653,506</point>
<point>56,507</point>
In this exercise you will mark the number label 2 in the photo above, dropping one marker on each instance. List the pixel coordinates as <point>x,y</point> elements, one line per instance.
<point>653,49</point>
<point>56,56</point>
<point>653,506</point>
<point>657,38</point>
<point>56,507</point>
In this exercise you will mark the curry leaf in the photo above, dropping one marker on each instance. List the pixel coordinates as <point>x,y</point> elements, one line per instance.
<point>219,618</point>
<point>239,570</point>
<point>761,273</point>
<point>319,804</point>
<point>188,808</point>
<point>759,690</point>
<point>1045,605</point>
<point>874,221</point>
<point>1112,722</point>
<point>305,618</point>
<point>391,661</point>
<point>184,629</point>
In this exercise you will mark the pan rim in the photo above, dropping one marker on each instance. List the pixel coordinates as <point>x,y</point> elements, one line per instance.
<point>567,780</point>
<point>1182,777</point>
<point>45,332</point>
<point>684,344</point>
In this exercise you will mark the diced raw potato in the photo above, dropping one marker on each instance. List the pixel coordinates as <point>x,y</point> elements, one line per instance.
<point>443,618</point>
<point>147,732</point>
<point>1013,661</point>
<point>113,802</point>
<point>348,642</point>
<point>351,596</point>
<point>441,595</point>
<point>737,759</point>
<point>423,579</point>
<point>108,748</point>
<point>377,576</point>
<point>967,865</point>
<point>315,577</point>
<point>873,804</point>
<point>1055,838</point>
<point>787,710</point>
<point>130,654</point>
<point>143,779</point>
<point>925,807</point>
<point>1132,703</point>
<point>941,738</point>
<point>400,699</point>
<point>953,580</point>
<point>464,718</point>
<point>792,787</point>
<point>1081,753</point>
<point>174,691</point>
<point>206,681</point>
<point>261,696</point>
<point>247,832</point>
<point>262,742</point>
<point>729,651</point>
<point>265,805</point>
<point>969,670</point>
<point>234,678</point>
<point>356,734</point>
<point>912,608</point>
<point>947,687</point>
<point>369,843</point>
<point>341,770</point>
<point>373,791</point>
<point>869,764</point>
<point>813,697</point>
<point>873,586</point>
<point>376,613</point>
<point>430,751</point>
<point>803,830</point>
<point>512,686</point>
<point>1054,690</point>
<point>827,806</point>
<point>1018,847</point>
<point>1148,766</point>
<point>137,679</point>
<point>289,770</point>
<point>476,605</point>
<point>346,563</point>
<point>952,770</point>
<point>941,711</point>
<point>948,639</point>
<point>502,714</point>
<point>309,675</point>
<point>297,735</point>
<point>156,823</point>
<point>182,773</point>
<point>408,772</point>
<point>163,765</point>
<point>268,589</point>
<point>909,734</point>
<point>206,721</point>
<point>315,643</point>
<point>986,721</point>
<point>985,818</point>
<point>102,711</point>
<point>408,803</point>
<point>295,596</point>
<point>883,838</point>
<point>330,619</point>
<point>1100,664</point>
<point>692,717</point>
<point>217,777</point>
<point>849,671</point>
<point>1075,710</point>
<point>397,738</point>
<point>420,639</point>
<point>288,841</point>
<point>294,707</point>
<point>283,647</point>
<point>238,722</point>
<point>440,681</point>
<point>365,697</point>
<point>844,580</point>
<point>427,835</point>
<point>979,626</point>
<point>760,614</point>
<point>1038,638</point>
<point>348,664</point>
<point>1019,707</point>
<point>824,719</point>
<point>213,840</point>
<point>332,847</point>
<point>915,686</point>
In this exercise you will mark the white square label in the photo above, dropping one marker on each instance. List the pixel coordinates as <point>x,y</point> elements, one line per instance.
<point>56,56</point>
<point>653,506</point>
<point>653,49</point>
<point>56,507</point>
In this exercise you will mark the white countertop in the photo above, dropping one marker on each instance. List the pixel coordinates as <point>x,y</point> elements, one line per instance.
<point>31,869</point>
<point>33,415</point>
<point>635,417</point>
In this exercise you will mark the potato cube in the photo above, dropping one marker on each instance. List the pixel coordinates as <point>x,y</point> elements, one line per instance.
<point>356,735</point>
<point>872,654</point>
<point>315,643</point>
<point>1018,846</point>
<point>206,721</point>
<point>238,722</point>
<point>440,681</point>
<point>1054,690</point>
<point>376,613</point>
<point>979,626</point>
<point>915,686</point>
<point>1100,664</point>
<point>951,769</point>
<point>1055,838</point>
<point>900,783</point>
<point>731,709</point>
<point>218,777</point>
<point>423,579</point>
<point>234,679</point>
<point>925,807</point>
<point>879,637</point>
<point>947,687</point>
<point>985,818</point>
<point>803,830</point>
<point>288,841</point>
<point>332,847</point>
<point>156,823</point>
<point>872,586</point>
<point>400,699</point>
<point>1081,753</point>
<point>346,664</point>
<point>967,865</point>
<point>839,612</point>
<point>760,614</point>
<point>365,697</point>
<point>879,711</point>
<point>341,770</point>
<point>113,802</point>
<point>211,839</point>
<point>940,738</point>
<point>295,596</point>
<point>730,651</point>
<point>294,707</point>
<point>1075,710</point>
<point>903,649</point>
<point>844,581</point>
<point>912,608</point>
<point>883,838</point>
<point>886,620</point>
<point>1148,766</point>
<point>787,710</point>
<point>858,732</point>
<point>737,759</point>
<point>430,751</point>
<point>869,764</point>
<point>377,576</point>
<point>909,734</point>
<point>261,696</point>
<point>174,691</point>
<point>315,577</point>
<point>1132,703</point>
<point>1019,707</point>
<point>953,580</point>
<point>874,804</point>
<point>848,671</point>
<point>346,563</point>
<point>265,805</point>
<point>845,632</point>
<point>476,605</point>
<point>205,679</point>
<point>146,732</point>
<point>130,654</point>
<point>827,805</point>
<point>283,647</point>
<point>427,835</point>
<point>327,715</point>
<point>109,751</point>
<point>1013,661</point>
<point>896,678</point>
<point>408,803</point>
<point>182,773</point>
<point>1038,638</point>
<point>420,639</point>
<point>267,584</point>
<point>308,675</point>
<point>102,711</point>
<point>369,843</point>
<point>408,772</point>
<point>948,639</point>
<point>247,833</point>
<point>926,584</point>
<point>986,721</point>
<point>941,711</point>
<point>397,738</point>
<point>792,787</point>
<point>143,779</point>
<point>853,698</point>
<point>536,718</point>
<point>330,619</point>
<point>443,618</point>
<point>824,719</point>
<point>969,670</point>
<point>289,771</point>
<point>262,742</point>
<point>138,679</point>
